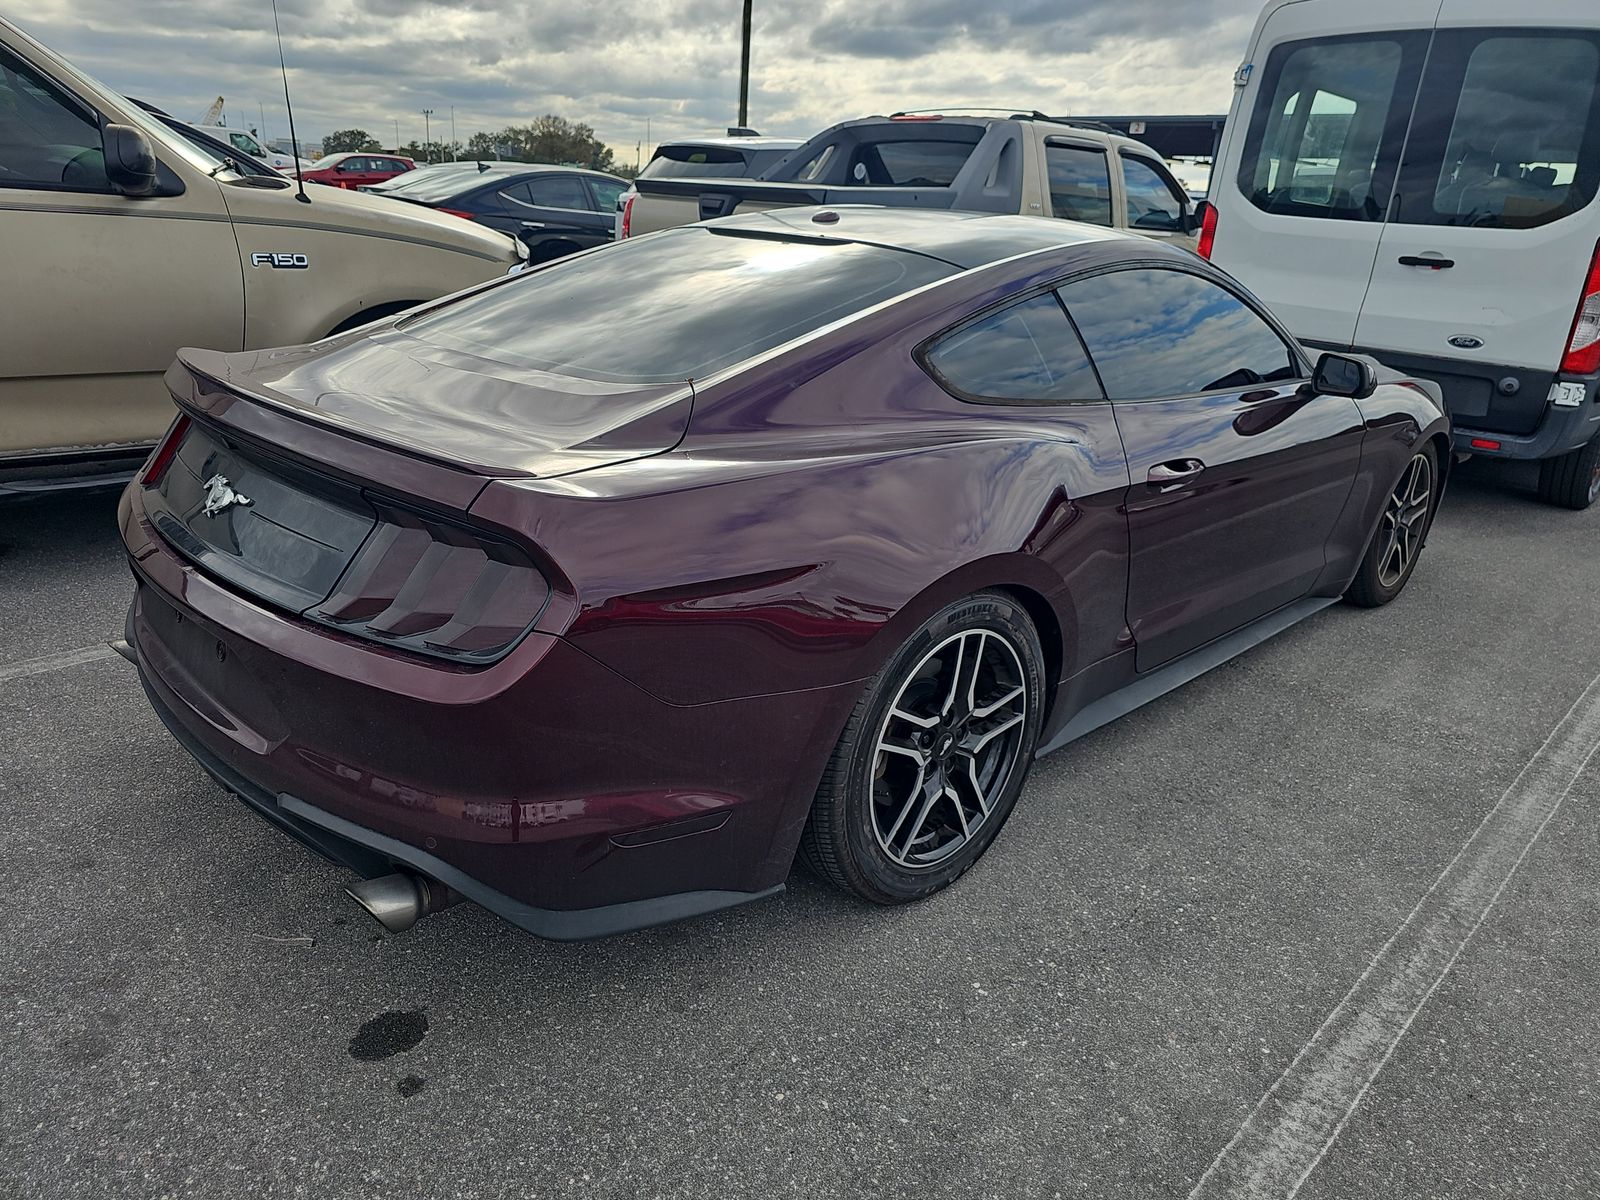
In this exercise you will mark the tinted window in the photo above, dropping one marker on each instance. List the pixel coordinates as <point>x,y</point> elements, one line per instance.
<point>1329,122</point>
<point>690,162</point>
<point>677,305</point>
<point>1504,133</point>
<point>919,163</point>
<point>606,192</point>
<point>1155,333</point>
<point>558,191</point>
<point>815,165</point>
<point>438,184</point>
<point>1080,184</point>
<point>44,138</point>
<point>1152,204</point>
<point>1025,352</point>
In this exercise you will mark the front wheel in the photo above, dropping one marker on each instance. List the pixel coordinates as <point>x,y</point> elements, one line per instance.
<point>1402,530</point>
<point>934,756</point>
<point>1573,480</point>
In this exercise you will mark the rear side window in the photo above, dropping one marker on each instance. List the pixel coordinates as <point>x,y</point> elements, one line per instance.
<point>693,162</point>
<point>1080,184</point>
<point>918,163</point>
<point>1505,130</point>
<point>558,191</point>
<point>1025,352</point>
<point>45,139</point>
<point>1152,202</point>
<point>1155,333</point>
<point>677,305</point>
<point>606,192</point>
<point>1329,122</point>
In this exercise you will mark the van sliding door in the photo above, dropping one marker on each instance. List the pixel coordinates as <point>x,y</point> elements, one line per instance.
<point>1327,124</point>
<point>1492,226</point>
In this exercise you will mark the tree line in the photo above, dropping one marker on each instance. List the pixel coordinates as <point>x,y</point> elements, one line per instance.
<point>549,139</point>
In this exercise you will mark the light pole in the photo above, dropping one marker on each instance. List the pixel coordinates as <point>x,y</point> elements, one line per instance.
<point>452,133</point>
<point>427,135</point>
<point>397,135</point>
<point>744,69</point>
<point>263,134</point>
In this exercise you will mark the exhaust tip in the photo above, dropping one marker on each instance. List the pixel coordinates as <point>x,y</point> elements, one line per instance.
<point>396,901</point>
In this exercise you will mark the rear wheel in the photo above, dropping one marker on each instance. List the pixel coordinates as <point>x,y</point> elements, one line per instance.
<point>1402,530</point>
<point>1573,480</point>
<point>932,760</point>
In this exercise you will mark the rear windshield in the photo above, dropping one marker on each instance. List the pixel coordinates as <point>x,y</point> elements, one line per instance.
<point>691,162</point>
<point>441,184</point>
<point>674,306</point>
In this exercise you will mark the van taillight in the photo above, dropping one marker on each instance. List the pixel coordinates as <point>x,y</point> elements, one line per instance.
<point>1583,346</point>
<point>165,452</point>
<point>436,589</point>
<point>1208,229</point>
<point>627,214</point>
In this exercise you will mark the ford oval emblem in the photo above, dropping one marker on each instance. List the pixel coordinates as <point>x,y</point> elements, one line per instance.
<point>1465,341</point>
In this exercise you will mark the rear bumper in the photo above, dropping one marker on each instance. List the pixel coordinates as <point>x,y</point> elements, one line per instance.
<point>1510,407</point>
<point>546,787</point>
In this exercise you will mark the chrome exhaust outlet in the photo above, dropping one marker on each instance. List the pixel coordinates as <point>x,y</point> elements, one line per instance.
<point>400,900</point>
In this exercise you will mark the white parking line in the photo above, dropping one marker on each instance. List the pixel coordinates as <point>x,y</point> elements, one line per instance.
<point>55,662</point>
<point>1303,1113</point>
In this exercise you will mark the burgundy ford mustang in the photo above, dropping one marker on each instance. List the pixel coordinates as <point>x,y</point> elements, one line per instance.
<point>596,594</point>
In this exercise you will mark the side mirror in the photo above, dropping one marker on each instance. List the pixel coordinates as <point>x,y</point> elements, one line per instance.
<point>1194,216</point>
<point>1345,375</point>
<point>130,162</point>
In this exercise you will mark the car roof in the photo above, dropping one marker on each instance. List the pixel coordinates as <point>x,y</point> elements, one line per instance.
<point>739,143</point>
<point>963,239</point>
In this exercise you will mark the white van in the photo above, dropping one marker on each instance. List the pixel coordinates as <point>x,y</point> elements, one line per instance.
<point>1416,179</point>
<point>246,142</point>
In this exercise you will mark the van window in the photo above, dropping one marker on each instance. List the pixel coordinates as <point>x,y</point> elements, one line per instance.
<point>1504,134</point>
<point>46,141</point>
<point>1080,183</point>
<point>1328,125</point>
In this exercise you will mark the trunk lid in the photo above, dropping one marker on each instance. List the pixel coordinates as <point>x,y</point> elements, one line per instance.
<point>449,407</point>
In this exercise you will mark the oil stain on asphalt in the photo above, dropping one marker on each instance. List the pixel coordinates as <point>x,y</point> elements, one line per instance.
<point>388,1034</point>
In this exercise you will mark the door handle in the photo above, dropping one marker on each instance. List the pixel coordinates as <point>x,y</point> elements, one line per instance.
<point>1422,260</point>
<point>1180,470</point>
<point>531,224</point>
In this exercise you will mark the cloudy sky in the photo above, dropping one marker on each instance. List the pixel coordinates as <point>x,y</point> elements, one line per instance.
<point>617,63</point>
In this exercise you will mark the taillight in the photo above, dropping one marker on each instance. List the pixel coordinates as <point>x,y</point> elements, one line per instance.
<point>165,452</point>
<point>1583,345</point>
<point>456,212</point>
<point>435,588</point>
<point>1208,229</point>
<point>627,214</point>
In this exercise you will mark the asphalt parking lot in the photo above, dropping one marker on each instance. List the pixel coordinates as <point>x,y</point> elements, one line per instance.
<point>192,1007</point>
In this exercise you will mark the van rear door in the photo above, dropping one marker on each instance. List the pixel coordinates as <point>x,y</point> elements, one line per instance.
<point>1492,227</point>
<point>1327,113</point>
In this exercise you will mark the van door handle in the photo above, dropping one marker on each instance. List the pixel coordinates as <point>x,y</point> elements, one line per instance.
<point>1434,264</point>
<point>1169,474</point>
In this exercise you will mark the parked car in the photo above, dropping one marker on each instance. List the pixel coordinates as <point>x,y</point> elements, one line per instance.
<point>1419,184</point>
<point>218,258</point>
<point>245,141</point>
<point>742,156</point>
<point>1029,165</point>
<point>594,594</point>
<point>357,170</point>
<point>554,210</point>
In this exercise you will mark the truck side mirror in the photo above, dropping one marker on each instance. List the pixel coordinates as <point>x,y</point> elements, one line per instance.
<point>1344,375</point>
<point>130,162</point>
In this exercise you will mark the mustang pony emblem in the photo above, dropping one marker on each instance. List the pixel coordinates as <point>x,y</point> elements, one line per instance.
<point>220,496</point>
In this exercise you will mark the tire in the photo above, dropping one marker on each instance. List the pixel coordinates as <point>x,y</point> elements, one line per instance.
<point>1573,480</point>
<point>1402,531</point>
<point>920,731</point>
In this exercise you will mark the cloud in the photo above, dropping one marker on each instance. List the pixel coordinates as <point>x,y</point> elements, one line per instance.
<point>673,63</point>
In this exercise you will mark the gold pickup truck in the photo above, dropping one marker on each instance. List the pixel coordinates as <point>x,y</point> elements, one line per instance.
<point>121,242</point>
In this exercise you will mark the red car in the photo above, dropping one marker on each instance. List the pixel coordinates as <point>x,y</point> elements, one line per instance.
<point>357,170</point>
